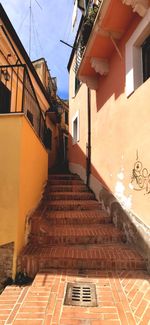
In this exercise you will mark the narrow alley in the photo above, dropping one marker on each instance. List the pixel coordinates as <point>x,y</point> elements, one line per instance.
<point>74,162</point>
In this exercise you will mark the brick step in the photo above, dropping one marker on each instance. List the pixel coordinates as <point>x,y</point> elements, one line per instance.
<point>77,217</point>
<point>65,182</point>
<point>63,176</point>
<point>104,257</point>
<point>61,205</point>
<point>69,196</point>
<point>67,188</point>
<point>74,235</point>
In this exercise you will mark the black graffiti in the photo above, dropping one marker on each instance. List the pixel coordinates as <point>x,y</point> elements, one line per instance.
<point>140,178</point>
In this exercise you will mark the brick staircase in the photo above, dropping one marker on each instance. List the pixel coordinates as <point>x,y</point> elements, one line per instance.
<point>70,230</point>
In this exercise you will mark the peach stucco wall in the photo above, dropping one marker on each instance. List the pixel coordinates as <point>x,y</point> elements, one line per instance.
<point>120,133</point>
<point>78,103</point>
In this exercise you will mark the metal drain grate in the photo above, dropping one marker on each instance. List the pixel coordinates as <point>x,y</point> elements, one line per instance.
<point>81,294</point>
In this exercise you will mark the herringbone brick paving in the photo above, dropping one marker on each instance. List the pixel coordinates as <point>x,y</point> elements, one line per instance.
<point>123,298</point>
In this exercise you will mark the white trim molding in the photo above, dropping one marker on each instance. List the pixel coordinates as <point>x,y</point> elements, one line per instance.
<point>78,169</point>
<point>76,138</point>
<point>138,6</point>
<point>133,55</point>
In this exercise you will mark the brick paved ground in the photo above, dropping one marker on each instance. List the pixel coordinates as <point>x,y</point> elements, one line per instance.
<point>123,298</point>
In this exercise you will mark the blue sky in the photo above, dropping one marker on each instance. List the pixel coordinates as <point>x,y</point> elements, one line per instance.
<point>49,25</point>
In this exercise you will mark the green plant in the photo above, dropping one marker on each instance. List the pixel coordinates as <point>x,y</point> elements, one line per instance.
<point>21,279</point>
<point>87,25</point>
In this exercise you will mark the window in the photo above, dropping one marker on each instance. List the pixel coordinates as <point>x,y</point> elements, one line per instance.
<point>65,147</point>
<point>66,117</point>
<point>5,99</point>
<point>48,139</point>
<point>77,84</point>
<point>75,128</point>
<point>146,58</point>
<point>137,56</point>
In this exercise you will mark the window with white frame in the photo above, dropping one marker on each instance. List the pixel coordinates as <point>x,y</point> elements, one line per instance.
<point>75,128</point>
<point>137,56</point>
<point>146,58</point>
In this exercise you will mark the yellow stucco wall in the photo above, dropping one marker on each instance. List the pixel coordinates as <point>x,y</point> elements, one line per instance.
<point>10,129</point>
<point>6,48</point>
<point>23,172</point>
<point>33,174</point>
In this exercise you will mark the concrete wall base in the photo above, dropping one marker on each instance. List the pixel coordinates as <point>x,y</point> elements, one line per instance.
<point>137,233</point>
<point>78,169</point>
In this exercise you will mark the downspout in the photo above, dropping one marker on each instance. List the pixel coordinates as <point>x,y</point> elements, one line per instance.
<point>88,145</point>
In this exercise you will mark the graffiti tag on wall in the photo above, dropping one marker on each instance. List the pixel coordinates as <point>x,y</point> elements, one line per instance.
<point>140,178</point>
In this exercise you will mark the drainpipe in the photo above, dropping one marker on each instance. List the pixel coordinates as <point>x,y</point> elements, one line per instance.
<point>88,145</point>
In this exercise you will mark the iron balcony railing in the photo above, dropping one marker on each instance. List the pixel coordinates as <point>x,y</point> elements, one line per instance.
<point>85,31</point>
<point>17,95</point>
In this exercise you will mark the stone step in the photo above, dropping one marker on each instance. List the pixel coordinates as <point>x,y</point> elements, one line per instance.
<point>65,182</point>
<point>69,196</point>
<point>35,259</point>
<point>61,205</point>
<point>77,217</point>
<point>67,188</point>
<point>63,176</point>
<point>74,235</point>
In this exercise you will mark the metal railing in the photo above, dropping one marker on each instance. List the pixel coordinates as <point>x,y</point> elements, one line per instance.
<point>17,95</point>
<point>86,28</point>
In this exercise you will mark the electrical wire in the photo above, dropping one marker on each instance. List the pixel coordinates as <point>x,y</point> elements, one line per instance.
<point>32,27</point>
<point>38,4</point>
<point>23,20</point>
<point>36,33</point>
<point>68,24</point>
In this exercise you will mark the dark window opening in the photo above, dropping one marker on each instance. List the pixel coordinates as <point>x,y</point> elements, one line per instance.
<point>66,118</point>
<point>48,139</point>
<point>30,117</point>
<point>146,58</point>
<point>65,148</point>
<point>77,84</point>
<point>86,3</point>
<point>5,99</point>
